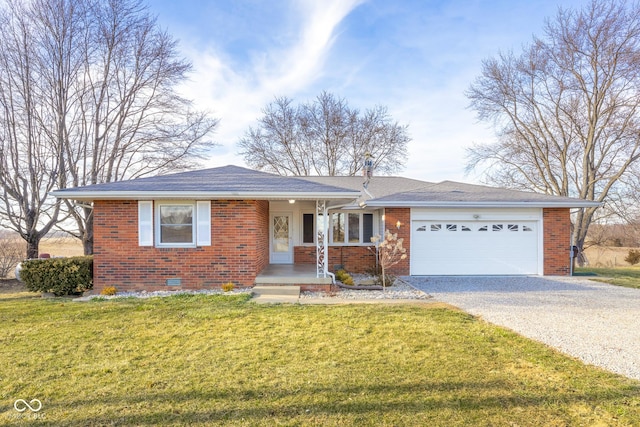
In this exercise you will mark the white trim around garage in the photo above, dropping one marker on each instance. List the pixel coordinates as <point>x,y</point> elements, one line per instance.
<point>476,241</point>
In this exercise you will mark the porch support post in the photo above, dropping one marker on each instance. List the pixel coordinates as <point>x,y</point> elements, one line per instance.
<point>321,240</point>
<point>325,216</point>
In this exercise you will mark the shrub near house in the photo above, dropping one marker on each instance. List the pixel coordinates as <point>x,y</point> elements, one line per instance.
<point>60,276</point>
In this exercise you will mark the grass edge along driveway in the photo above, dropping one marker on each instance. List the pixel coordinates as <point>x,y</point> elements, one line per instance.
<point>220,360</point>
<point>629,277</point>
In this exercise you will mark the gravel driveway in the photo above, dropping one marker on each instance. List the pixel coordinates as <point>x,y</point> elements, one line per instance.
<point>597,323</point>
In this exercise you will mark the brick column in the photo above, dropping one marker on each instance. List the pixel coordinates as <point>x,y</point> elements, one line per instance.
<point>557,241</point>
<point>392,216</point>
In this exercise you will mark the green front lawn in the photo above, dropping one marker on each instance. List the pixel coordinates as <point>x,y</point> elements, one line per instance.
<point>622,276</point>
<point>220,360</point>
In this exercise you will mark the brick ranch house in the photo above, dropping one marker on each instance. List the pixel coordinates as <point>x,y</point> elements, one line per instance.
<point>204,228</point>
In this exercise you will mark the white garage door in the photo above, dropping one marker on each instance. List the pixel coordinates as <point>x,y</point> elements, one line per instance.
<point>474,247</point>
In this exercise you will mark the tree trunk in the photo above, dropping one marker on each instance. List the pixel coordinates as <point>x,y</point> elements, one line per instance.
<point>384,279</point>
<point>584,217</point>
<point>87,235</point>
<point>87,244</point>
<point>33,246</point>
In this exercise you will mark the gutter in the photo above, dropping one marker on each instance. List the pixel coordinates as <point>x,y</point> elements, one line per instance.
<point>200,195</point>
<point>493,204</point>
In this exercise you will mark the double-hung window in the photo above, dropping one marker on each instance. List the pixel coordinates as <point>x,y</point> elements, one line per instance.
<point>174,224</point>
<point>351,228</point>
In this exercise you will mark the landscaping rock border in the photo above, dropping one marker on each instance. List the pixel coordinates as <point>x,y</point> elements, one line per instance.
<point>401,290</point>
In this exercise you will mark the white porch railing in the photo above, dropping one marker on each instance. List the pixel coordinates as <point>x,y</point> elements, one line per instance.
<point>322,241</point>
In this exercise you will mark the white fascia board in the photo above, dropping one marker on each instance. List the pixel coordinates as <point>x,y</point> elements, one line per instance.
<point>200,195</point>
<point>576,204</point>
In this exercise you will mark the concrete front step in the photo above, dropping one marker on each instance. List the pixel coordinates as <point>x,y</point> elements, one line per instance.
<point>276,294</point>
<point>276,280</point>
<point>284,290</point>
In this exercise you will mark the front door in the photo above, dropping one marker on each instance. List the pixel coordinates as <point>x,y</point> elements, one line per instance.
<point>281,239</point>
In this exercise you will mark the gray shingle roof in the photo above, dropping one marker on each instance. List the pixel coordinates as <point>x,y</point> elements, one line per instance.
<point>449,193</point>
<point>379,186</point>
<point>227,180</point>
<point>235,181</point>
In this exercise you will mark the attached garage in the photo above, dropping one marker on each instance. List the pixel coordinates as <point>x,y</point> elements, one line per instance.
<point>484,243</point>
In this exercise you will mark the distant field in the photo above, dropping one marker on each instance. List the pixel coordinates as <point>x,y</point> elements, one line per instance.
<point>605,256</point>
<point>61,246</point>
<point>54,246</point>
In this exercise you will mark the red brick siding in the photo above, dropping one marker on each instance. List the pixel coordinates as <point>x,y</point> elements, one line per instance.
<point>354,259</point>
<point>262,234</point>
<point>392,216</point>
<point>239,250</point>
<point>557,241</point>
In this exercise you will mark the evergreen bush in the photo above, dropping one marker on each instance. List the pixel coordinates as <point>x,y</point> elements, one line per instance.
<point>60,276</point>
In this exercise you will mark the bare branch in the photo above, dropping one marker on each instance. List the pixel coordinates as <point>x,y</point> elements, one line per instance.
<point>88,95</point>
<point>565,109</point>
<point>324,137</point>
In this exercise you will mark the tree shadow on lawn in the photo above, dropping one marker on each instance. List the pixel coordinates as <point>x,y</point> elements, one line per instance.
<point>414,401</point>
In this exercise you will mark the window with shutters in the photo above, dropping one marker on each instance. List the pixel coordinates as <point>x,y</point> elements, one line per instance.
<point>174,224</point>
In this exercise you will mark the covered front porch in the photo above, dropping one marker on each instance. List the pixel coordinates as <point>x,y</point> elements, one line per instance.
<point>299,235</point>
<point>303,275</point>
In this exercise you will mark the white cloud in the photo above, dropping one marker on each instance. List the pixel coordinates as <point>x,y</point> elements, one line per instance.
<point>415,57</point>
<point>236,95</point>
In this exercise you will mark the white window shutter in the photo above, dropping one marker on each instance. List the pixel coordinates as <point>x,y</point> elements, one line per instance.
<point>203,224</point>
<point>145,223</point>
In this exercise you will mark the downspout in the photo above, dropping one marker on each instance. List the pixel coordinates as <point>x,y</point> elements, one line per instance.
<point>367,191</point>
<point>571,257</point>
<point>572,252</point>
<point>333,277</point>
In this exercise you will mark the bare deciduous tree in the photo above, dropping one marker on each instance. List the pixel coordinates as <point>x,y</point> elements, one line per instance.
<point>389,252</point>
<point>567,108</point>
<point>11,252</point>
<point>30,164</point>
<point>106,105</point>
<point>131,121</point>
<point>324,137</point>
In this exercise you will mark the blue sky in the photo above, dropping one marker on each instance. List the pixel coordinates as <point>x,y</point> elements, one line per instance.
<point>415,57</point>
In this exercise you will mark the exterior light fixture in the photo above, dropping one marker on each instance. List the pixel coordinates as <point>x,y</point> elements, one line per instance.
<point>292,201</point>
<point>398,224</point>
